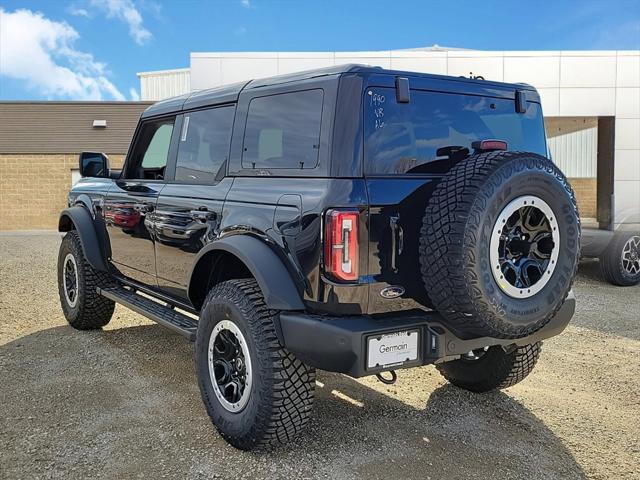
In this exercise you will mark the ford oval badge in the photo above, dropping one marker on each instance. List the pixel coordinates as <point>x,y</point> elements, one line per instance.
<point>393,291</point>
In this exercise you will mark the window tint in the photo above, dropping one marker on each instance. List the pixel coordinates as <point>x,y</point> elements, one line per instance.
<point>283,131</point>
<point>204,144</point>
<point>150,153</point>
<point>435,130</point>
<point>156,153</point>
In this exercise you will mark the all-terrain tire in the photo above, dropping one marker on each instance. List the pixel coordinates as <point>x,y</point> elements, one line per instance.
<point>90,310</point>
<point>612,264</point>
<point>282,391</point>
<point>455,241</point>
<point>494,369</point>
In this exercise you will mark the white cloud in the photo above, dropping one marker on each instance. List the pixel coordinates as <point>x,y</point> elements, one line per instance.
<point>246,3</point>
<point>133,93</point>
<point>41,52</point>
<point>78,12</point>
<point>125,11</point>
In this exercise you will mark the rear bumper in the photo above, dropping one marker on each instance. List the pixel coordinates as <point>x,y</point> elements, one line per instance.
<point>339,344</point>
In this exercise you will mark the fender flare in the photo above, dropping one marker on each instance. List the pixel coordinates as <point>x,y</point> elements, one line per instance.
<point>275,281</point>
<point>80,218</point>
<point>84,199</point>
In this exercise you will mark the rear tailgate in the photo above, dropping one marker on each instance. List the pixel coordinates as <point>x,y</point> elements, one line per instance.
<point>408,147</point>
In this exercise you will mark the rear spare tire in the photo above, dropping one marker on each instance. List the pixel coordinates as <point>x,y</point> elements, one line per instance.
<point>499,244</point>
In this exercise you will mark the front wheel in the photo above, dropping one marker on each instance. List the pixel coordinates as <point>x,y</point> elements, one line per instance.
<point>83,307</point>
<point>491,368</point>
<point>620,263</point>
<point>256,393</point>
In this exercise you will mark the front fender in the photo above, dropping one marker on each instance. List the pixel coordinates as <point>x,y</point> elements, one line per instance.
<point>79,218</point>
<point>275,281</point>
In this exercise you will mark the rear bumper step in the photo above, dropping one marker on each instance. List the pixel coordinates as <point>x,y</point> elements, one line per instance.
<point>155,311</point>
<point>339,344</point>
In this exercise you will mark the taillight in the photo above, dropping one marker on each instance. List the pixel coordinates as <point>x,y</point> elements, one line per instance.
<point>341,244</point>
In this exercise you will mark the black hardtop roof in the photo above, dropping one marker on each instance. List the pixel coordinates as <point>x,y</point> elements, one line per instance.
<point>229,93</point>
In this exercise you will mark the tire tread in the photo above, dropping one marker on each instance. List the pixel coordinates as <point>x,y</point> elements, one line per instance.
<point>286,399</point>
<point>94,311</point>
<point>501,371</point>
<point>447,240</point>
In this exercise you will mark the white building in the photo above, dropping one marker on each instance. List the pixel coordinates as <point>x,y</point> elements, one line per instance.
<point>591,100</point>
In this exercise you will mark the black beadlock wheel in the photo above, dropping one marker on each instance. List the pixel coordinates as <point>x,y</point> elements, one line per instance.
<point>78,281</point>
<point>620,262</point>
<point>491,368</point>
<point>499,244</point>
<point>256,393</point>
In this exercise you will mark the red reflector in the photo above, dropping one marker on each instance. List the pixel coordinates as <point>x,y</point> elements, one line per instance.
<point>490,145</point>
<point>341,252</point>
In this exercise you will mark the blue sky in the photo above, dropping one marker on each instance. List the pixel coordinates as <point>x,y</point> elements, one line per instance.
<point>92,49</point>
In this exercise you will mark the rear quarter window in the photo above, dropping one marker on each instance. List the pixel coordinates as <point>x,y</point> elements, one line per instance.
<point>283,131</point>
<point>431,132</point>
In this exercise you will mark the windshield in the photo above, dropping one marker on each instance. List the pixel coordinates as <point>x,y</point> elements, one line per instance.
<point>435,130</point>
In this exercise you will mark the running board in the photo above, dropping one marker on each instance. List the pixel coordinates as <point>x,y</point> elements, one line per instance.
<point>155,311</point>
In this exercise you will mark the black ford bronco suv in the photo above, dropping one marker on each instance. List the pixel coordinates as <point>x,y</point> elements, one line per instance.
<point>350,219</point>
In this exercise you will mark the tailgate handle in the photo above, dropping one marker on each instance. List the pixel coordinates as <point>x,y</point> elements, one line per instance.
<point>397,240</point>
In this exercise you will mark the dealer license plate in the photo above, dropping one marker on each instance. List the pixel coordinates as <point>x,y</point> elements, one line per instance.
<point>392,349</point>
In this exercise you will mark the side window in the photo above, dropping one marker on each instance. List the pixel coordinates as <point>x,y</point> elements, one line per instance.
<point>149,157</point>
<point>204,144</point>
<point>283,131</point>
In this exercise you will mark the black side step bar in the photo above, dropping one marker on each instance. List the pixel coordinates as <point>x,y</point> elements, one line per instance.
<point>161,314</point>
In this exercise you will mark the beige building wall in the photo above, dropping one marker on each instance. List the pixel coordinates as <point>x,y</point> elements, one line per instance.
<point>586,190</point>
<point>39,147</point>
<point>34,187</point>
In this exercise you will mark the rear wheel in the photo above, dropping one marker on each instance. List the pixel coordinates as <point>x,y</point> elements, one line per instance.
<point>499,245</point>
<point>491,368</point>
<point>82,306</point>
<point>256,393</point>
<point>620,263</point>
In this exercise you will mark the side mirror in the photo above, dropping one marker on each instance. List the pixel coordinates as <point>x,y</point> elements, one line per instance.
<point>94,164</point>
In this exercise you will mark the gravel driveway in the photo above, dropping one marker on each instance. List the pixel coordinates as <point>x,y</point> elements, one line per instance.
<point>123,402</point>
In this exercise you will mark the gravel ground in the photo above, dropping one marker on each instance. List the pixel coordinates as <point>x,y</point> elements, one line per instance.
<point>123,402</point>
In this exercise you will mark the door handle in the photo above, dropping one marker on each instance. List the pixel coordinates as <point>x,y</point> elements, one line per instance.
<point>202,215</point>
<point>143,207</point>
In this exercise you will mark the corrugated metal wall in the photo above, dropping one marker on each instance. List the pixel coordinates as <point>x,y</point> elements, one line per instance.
<point>573,142</point>
<point>67,127</point>
<point>164,84</point>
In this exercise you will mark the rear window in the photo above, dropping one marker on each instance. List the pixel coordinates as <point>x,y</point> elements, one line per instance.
<point>283,131</point>
<point>435,130</point>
